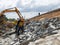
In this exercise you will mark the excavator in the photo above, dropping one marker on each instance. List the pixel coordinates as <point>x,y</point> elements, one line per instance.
<point>10,24</point>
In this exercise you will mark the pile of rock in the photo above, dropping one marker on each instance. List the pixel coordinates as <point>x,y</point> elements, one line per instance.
<point>37,29</point>
<point>49,40</point>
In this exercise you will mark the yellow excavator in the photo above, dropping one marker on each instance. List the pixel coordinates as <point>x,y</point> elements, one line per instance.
<point>10,24</point>
<point>10,10</point>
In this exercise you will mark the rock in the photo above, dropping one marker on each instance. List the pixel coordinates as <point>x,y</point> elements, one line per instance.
<point>31,43</point>
<point>37,33</point>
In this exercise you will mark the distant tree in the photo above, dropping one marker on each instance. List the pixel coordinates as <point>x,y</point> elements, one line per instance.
<point>10,19</point>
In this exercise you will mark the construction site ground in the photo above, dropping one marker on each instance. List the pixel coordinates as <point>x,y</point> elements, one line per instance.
<point>42,32</point>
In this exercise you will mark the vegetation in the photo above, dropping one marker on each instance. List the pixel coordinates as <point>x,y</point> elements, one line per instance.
<point>10,19</point>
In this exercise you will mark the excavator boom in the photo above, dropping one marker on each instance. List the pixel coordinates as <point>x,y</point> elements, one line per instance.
<point>9,10</point>
<point>9,24</point>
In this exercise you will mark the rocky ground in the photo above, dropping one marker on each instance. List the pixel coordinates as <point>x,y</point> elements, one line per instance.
<point>48,40</point>
<point>45,32</point>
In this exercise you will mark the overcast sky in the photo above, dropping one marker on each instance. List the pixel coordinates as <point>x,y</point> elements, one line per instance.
<point>30,8</point>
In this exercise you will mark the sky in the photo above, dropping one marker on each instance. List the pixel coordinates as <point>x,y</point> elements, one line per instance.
<point>29,8</point>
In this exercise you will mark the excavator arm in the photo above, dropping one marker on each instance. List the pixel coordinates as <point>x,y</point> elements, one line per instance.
<point>7,25</point>
<point>9,10</point>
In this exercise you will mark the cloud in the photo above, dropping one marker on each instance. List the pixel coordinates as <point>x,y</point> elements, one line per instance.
<point>30,5</point>
<point>25,2</point>
<point>46,2</point>
<point>42,8</point>
<point>38,2</point>
<point>7,4</point>
<point>37,5</point>
<point>33,6</point>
